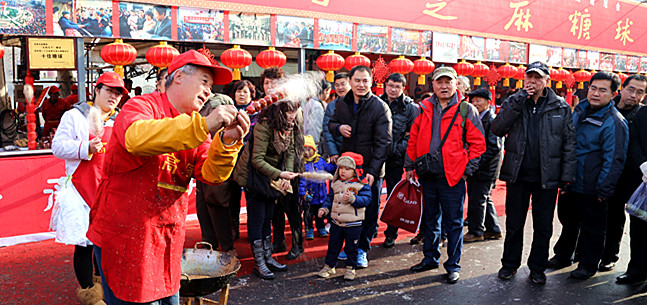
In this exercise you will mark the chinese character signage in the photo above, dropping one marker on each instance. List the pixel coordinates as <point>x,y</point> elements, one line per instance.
<point>51,53</point>
<point>445,48</point>
<point>538,53</point>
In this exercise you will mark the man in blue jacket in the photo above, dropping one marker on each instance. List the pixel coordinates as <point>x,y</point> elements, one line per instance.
<point>602,138</point>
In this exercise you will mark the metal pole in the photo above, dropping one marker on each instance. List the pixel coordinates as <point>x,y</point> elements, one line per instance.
<point>301,65</point>
<point>80,69</point>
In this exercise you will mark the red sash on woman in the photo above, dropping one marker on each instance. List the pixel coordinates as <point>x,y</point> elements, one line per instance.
<point>88,174</point>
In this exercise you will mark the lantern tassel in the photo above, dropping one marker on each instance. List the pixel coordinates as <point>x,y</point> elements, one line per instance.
<point>506,82</point>
<point>519,84</point>
<point>236,74</point>
<point>477,81</point>
<point>559,85</point>
<point>569,97</point>
<point>119,70</point>
<point>330,76</point>
<point>421,79</point>
<point>493,92</point>
<point>580,85</point>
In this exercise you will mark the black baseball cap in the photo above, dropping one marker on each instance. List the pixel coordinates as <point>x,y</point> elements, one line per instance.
<point>481,92</point>
<point>539,68</point>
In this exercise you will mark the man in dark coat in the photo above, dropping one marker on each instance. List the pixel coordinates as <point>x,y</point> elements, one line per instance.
<point>364,122</point>
<point>66,23</point>
<point>162,27</point>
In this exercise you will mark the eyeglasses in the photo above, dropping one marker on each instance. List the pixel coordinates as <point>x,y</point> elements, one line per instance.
<point>631,90</point>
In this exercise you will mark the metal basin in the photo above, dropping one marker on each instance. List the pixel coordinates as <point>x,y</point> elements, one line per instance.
<point>206,271</point>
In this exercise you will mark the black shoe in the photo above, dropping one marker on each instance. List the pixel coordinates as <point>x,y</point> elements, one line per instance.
<point>506,273</point>
<point>582,274</point>
<point>538,277</point>
<point>606,266</point>
<point>278,247</point>
<point>423,267</point>
<point>629,279</point>
<point>555,263</point>
<point>294,253</point>
<point>389,242</point>
<point>418,239</point>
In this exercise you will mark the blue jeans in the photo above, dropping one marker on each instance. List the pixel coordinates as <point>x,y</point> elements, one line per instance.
<point>336,240</point>
<point>444,204</point>
<point>111,299</point>
<point>369,225</point>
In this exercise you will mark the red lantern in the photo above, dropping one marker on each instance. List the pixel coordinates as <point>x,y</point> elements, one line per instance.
<point>401,65</point>
<point>622,77</point>
<point>480,70</point>
<point>520,76</point>
<point>356,60</point>
<point>507,71</point>
<point>119,54</point>
<point>581,76</point>
<point>423,67</point>
<point>330,62</point>
<point>1,50</point>
<point>271,58</point>
<point>236,58</point>
<point>161,55</point>
<point>464,68</point>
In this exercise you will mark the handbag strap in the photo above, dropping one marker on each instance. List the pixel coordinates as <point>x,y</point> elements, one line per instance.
<point>449,128</point>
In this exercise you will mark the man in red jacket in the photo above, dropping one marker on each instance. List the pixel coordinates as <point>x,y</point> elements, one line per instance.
<point>445,145</point>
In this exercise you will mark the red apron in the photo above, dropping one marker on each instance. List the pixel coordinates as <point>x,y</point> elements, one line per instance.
<point>88,174</point>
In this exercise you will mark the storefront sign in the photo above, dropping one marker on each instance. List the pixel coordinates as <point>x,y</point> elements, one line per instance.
<point>51,54</point>
<point>445,47</point>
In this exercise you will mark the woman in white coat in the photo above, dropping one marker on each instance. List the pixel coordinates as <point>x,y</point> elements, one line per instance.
<point>80,140</point>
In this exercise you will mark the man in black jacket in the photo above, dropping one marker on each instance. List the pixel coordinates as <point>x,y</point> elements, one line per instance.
<point>628,104</point>
<point>162,27</point>
<point>539,158</point>
<point>403,112</point>
<point>481,214</point>
<point>364,122</point>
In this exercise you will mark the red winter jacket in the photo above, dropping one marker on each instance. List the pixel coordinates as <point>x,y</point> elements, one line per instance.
<point>456,160</point>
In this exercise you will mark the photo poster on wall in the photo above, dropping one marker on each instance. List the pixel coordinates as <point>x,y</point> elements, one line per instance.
<point>82,18</point>
<point>294,32</point>
<point>404,42</point>
<point>620,63</point>
<point>335,35</point>
<point>445,48</point>
<point>569,58</point>
<point>497,50</point>
<point>606,61</point>
<point>537,52</point>
<point>643,65</point>
<point>518,52</point>
<point>554,55</point>
<point>23,17</point>
<point>372,38</point>
<point>581,59</point>
<point>593,60</point>
<point>144,21</point>
<point>426,43</point>
<point>249,28</point>
<point>633,64</point>
<point>199,24</point>
<point>472,48</point>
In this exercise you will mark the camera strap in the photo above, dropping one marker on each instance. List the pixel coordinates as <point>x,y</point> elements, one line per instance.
<point>449,128</point>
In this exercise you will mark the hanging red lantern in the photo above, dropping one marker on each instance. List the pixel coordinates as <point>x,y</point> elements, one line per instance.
<point>1,50</point>
<point>236,58</point>
<point>330,62</point>
<point>119,54</point>
<point>480,70</point>
<point>507,71</point>
<point>401,65</point>
<point>271,58</point>
<point>356,60</point>
<point>464,68</point>
<point>565,74</point>
<point>622,77</point>
<point>161,55</point>
<point>581,76</point>
<point>520,76</point>
<point>558,75</point>
<point>423,67</point>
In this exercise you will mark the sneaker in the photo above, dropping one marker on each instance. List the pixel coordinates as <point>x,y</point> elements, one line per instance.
<point>322,232</point>
<point>310,234</point>
<point>326,272</point>
<point>342,256</point>
<point>506,273</point>
<point>537,277</point>
<point>362,261</point>
<point>492,235</point>
<point>469,237</point>
<point>389,242</point>
<point>349,275</point>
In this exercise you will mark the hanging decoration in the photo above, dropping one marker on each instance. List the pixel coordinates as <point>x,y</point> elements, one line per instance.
<point>161,55</point>
<point>28,91</point>
<point>581,76</point>
<point>569,82</point>
<point>236,59</point>
<point>422,67</point>
<point>119,54</point>
<point>380,73</point>
<point>330,62</point>
<point>480,70</point>
<point>401,65</point>
<point>492,78</point>
<point>356,60</point>
<point>507,71</point>
<point>463,68</point>
<point>271,58</point>
<point>1,50</point>
<point>520,76</point>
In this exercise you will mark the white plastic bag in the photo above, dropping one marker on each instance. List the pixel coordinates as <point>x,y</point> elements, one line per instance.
<point>637,204</point>
<point>70,215</point>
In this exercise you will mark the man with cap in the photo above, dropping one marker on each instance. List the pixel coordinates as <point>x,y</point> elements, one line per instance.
<point>159,142</point>
<point>73,98</point>
<point>53,109</point>
<point>444,147</point>
<point>539,159</point>
<point>481,214</point>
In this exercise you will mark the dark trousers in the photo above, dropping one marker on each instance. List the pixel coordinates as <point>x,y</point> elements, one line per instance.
<point>392,176</point>
<point>584,222</point>
<point>638,235</point>
<point>219,222</point>
<point>444,204</point>
<point>339,235</point>
<point>289,206</point>
<point>481,214</point>
<point>369,225</point>
<point>310,216</point>
<point>260,210</point>
<point>516,208</point>
<point>616,218</point>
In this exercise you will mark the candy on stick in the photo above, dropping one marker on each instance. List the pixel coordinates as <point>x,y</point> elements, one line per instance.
<point>95,122</point>
<point>319,176</point>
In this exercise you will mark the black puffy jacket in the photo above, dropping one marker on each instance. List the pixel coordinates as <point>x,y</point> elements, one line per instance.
<point>371,130</point>
<point>489,161</point>
<point>403,113</point>
<point>557,156</point>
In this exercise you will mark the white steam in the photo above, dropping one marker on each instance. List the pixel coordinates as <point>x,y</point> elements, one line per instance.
<point>298,87</point>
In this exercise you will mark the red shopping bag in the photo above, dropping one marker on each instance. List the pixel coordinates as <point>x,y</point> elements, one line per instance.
<point>404,206</point>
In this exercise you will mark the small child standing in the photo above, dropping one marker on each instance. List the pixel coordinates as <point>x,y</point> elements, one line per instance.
<point>348,197</point>
<point>312,192</point>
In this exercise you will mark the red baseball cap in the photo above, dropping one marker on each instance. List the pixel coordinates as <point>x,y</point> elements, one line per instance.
<point>221,75</point>
<point>74,87</point>
<point>112,79</point>
<point>53,89</point>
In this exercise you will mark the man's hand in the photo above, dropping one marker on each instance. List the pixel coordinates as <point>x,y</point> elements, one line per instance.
<point>288,175</point>
<point>410,175</point>
<point>333,159</point>
<point>221,116</point>
<point>345,130</point>
<point>95,146</point>
<point>346,196</point>
<point>321,213</point>
<point>529,89</point>
<point>370,179</point>
<point>237,129</point>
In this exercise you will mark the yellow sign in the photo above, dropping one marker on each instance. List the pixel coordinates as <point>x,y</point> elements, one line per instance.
<point>51,53</point>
